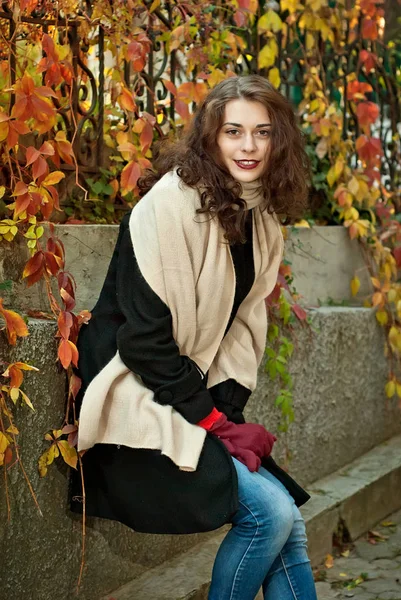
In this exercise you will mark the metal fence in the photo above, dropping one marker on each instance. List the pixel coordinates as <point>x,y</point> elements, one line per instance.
<point>84,124</point>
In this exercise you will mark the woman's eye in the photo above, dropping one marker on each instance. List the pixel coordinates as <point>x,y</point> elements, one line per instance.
<point>232,131</point>
<point>266,132</point>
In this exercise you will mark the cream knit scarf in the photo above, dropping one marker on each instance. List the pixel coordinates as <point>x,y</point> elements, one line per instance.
<point>187,263</point>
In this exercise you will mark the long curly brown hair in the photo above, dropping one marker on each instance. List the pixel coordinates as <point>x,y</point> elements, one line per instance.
<point>285,181</point>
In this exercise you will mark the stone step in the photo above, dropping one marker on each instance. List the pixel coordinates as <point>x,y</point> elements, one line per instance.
<point>361,494</point>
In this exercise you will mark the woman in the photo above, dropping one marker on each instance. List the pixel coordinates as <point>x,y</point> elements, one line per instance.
<point>170,356</point>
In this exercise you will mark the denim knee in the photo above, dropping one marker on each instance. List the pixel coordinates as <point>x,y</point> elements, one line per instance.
<point>279,518</point>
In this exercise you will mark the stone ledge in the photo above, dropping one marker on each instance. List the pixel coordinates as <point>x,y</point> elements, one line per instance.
<point>323,259</point>
<point>347,494</point>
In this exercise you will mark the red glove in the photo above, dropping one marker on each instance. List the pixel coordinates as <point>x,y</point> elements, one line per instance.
<point>247,442</point>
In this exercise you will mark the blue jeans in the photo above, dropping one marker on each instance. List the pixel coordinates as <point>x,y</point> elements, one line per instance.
<point>266,546</point>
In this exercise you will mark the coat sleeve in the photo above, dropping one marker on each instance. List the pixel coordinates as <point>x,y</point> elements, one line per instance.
<point>146,345</point>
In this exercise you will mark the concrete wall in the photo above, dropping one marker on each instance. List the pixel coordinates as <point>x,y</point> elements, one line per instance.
<point>339,373</point>
<point>324,260</point>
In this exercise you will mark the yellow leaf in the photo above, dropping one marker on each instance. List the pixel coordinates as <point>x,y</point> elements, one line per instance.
<point>355,285</point>
<point>26,400</point>
<point>12,429</point>
<point>155,4</point>
<point>390,389</point>
<point>382,317</point>
<point>392,295</point>
<point>268,54</point>
<point>353,186</point>
<point>331,176</point>
<point>274,77</point>
<point>329,562</point>
<point>270,21</point>
<point>68,453</point>
<point>47,458</point>
<point>343,574</point>
<point>2,191</point>
<point>14,394</point>
<point>316,5</point>
<point>3,442</point>
<point>53,178</point>
<point>388,523</point>
<point>345,553</point>
<point>398,389</point>
<point>290,5</point>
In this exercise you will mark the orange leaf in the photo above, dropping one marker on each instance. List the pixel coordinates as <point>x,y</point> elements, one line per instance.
<point>15,325</point>
<point>126,100</point>
<point>31,155</point>
<point>170,86</point>
<point>65,353</point>
<point>40,168</point>
<point>75,385</point>
<point>20,189</point>
<point>74,353</point>
<point>16,376</point>
<point>64,323</point>
<point>146,138</point>
<point>129,177</point>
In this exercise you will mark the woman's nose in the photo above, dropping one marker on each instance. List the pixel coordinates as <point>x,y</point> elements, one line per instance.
<point>248,144</point>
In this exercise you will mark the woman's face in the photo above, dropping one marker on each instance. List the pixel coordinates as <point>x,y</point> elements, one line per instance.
<point>244,139</point>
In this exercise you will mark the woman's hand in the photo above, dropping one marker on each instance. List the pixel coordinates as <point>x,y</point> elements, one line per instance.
<point>247,442</point>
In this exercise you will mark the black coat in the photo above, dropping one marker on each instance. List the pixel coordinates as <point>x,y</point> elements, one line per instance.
<point>142,488</point>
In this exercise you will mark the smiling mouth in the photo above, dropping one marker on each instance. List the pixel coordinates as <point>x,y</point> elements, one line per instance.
<point>247,164</point>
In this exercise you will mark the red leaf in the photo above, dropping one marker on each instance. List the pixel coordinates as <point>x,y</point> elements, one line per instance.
<point>367,113</point>
<point>369,29</point>
<point>65,353</point>
<point>52,266</point>
<point>34,268</point>
<point>68,299</point>
<point>368,59</point>
<point>299,312</point>
<point>369,149</point>
<point>274,296</point>
<point>69,429</point>
<point>33,264</point>
<point>240,18</point>
<point>397,256</point>
<point>182,109</point>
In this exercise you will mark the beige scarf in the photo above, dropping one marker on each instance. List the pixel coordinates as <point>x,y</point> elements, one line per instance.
<point>187,263</point>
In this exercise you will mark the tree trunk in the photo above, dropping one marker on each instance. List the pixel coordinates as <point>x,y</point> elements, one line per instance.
<point>392,12</point>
